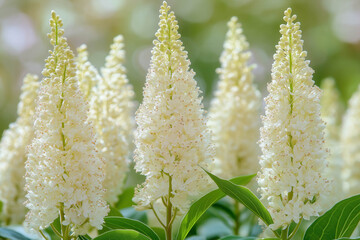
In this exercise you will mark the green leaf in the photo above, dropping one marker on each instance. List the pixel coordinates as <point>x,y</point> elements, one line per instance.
<point>122,234</point>
<point>11,234</point>
<point>83,237</point>
<point>199,207</point>
<point>160,232</point>
<point>125,199</point>
<point>112,223</point>
<point>340,221</point>
<point>243,195</point>
<point>246,238</point>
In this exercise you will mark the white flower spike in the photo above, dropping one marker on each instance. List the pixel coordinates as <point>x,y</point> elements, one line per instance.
<point>350,142</point>
<point>172,140</point>
<point>331,113</point>
<point>13,154</point>
<point>64,174</point>
<point>292,137</point>
<point>111,112</point>
<point>234,116</point>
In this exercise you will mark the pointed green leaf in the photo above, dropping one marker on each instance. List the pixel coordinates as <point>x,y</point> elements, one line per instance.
<point>11,234</point>
<point>122,234</point>
<point>340,221</point>
<point>199,207</point>
<point>244,196</point>
<point>111,223</point>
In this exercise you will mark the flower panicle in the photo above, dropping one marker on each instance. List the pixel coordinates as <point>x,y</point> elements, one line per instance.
<point>234,112</point>
<point>62,163</point>
<point>350,145</point>
<point>331,113</point>
<point>171,139</point>
<point>112,113</point>
<point>13,154</point>
<point>293,161</point>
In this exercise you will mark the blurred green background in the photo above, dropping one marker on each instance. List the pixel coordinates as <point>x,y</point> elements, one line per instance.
<point>331,31</point>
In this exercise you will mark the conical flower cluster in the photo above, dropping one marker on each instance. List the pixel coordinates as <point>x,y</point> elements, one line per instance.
<point>350,142</point>
<point>64,174</point>
<point>331,112</point>
<point>13,155</point>
<point>172,140</point>
<point>234,116</point>
<point>111,112</point>
<point>292,138</point>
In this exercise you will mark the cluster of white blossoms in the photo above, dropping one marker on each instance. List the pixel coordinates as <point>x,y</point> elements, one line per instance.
<point>350,142</point>
<point>13,155</point>
<point>111,107</point>
<point>172,140</point>
<point>292,137</point>
<point>111,112</point>
<point>331,113</point>
<point>64,174</point>
<point>234,116</point>
<point>86,73</point>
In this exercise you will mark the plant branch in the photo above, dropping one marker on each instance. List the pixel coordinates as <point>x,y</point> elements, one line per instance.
<point>157,216</point>
<point>237,218</point>
<point>43,235</point>
<point>284,233</point>
<point>295,230</point>
<point>169,215</point>
<point>64,229</point>
<point>56,231</point>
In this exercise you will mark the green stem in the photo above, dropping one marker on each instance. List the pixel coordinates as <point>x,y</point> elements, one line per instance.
<point>169,216</point>
<point>284,233</point>
<point>42,234</point>
<point>237,218</point>
<point>64,229</point>
<point>157,216</point>
<point>55,231</point>
<point>295,230</point>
